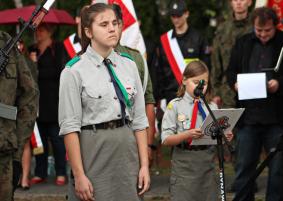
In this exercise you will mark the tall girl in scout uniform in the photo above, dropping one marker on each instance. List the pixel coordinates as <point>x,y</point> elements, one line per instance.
<point>193,172</point>
<point>102,116</point>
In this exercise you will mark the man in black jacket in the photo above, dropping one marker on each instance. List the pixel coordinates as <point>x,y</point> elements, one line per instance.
<point>260,124</point>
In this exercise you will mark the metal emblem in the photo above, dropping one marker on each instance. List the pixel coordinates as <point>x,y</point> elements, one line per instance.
<point>181,117</point>
<point>191,50</point>
<point>175,6</point>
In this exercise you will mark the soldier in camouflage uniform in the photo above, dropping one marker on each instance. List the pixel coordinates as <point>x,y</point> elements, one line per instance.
<point>147,84</point>
<point>234,27</point>
<point>18,89</point>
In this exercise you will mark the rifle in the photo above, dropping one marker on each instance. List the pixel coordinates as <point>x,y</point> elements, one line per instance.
<point>37,16</point>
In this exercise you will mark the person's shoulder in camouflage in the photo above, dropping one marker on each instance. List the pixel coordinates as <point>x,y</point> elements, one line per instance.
<point>18,89</point>
<point>138,59</point>
<point>225,37</point>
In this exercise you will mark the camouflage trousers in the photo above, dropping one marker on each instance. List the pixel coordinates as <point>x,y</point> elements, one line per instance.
<point>6,178</point>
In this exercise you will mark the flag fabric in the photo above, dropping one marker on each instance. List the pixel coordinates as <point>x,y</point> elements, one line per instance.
<point>36,142</point>
<point>72,48</point>
<point>174,55</point>
<point>277,5</point>
<point>131,35</point>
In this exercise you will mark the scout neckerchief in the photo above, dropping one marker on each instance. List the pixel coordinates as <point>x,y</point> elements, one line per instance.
<point>197,108</point>
<point>119,88</point>
<point>174,55</point>
<point>71,46</point>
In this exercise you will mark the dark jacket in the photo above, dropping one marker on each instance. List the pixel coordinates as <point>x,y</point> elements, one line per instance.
<point>192,45</point>
<point>50,65</point>
<point>258,111</point>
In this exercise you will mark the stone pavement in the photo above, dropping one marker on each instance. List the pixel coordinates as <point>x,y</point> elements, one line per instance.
<point>159,190</point>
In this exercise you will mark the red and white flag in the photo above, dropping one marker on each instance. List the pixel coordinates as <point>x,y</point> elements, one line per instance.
<point>72,48</point>
<point>131,35</point>
<point>277,5</point>
<point>36,142</point>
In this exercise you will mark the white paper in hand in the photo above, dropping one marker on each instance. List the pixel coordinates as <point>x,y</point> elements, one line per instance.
<point>251,86</point>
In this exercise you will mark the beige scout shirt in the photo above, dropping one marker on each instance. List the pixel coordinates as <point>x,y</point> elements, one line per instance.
<point>178,114</point>
<point>87,95</point>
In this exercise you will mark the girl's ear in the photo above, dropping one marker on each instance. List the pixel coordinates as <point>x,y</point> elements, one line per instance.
<point>88,33</point>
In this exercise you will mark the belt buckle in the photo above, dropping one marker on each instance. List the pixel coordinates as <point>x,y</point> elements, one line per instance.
<point>111,124</point>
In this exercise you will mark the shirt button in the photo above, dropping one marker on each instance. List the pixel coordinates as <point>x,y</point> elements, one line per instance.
<point>118,115</point>
<point>99,96</point>
<point>115,98</point>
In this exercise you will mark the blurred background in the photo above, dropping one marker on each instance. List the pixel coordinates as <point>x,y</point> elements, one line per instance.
<point>204,15</point>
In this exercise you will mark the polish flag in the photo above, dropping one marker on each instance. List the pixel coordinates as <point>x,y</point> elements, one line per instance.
<point>36,143</point>
<point>131,35</point>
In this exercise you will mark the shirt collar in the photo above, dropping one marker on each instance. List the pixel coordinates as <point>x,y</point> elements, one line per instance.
<point>98,59</point>
<point>190,99</point>
<point>187,97</point>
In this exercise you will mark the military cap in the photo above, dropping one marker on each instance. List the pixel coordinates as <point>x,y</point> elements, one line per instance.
<point>177,7</point>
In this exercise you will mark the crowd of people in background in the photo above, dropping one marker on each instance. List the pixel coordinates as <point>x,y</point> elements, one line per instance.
<point>119,113</point>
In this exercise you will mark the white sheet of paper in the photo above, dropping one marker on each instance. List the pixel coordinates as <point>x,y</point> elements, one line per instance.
<point>251,86</point>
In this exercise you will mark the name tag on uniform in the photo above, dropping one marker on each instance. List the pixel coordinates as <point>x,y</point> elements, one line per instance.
<point>8,112</point>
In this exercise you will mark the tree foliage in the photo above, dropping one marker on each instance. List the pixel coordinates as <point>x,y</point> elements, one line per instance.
<point>151,13</point>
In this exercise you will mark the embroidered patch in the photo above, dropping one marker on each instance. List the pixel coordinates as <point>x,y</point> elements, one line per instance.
<point>72,61</point>
<point>169,106</point>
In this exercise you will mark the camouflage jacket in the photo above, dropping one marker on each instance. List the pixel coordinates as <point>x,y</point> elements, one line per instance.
<point>137,57</point>
<point>17,89</point>
<point>225,37</point>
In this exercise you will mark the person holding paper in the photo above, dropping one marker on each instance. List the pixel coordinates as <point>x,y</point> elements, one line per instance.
<point>260,124</point>
<point>236,25</point>
<point>193,172</point>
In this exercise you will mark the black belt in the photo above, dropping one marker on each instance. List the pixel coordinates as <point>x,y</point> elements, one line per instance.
<point>105,125</point>
<point>185,146</point>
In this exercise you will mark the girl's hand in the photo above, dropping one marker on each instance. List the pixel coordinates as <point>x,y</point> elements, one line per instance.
<point>229,136</point>
<point>84,189</point>
<point>194,133</point>
<point>143,180</point>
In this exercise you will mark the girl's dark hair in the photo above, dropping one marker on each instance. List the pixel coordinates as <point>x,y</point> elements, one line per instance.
<point>88,14</point>
<point>264,14</point>
<point>193,69</point>
<point>118,11</point>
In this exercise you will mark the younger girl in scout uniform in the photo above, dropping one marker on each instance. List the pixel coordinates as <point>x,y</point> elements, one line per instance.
<point>193,172</point>
<point>102,115</point>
